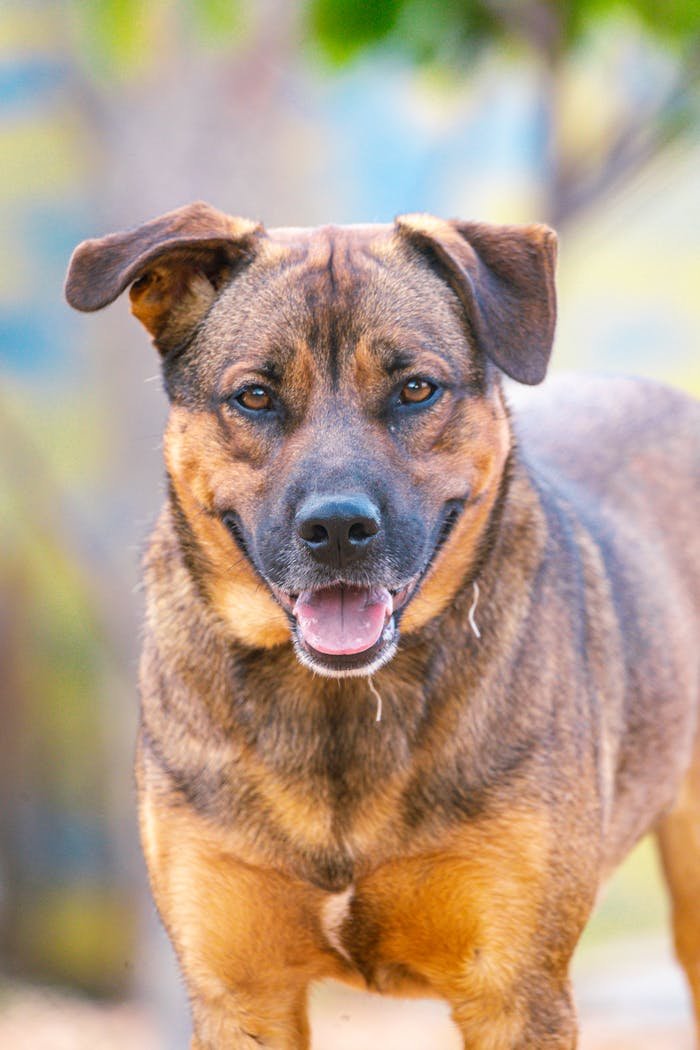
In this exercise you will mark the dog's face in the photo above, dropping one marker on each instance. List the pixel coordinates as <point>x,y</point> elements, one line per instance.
<point>337,434</point>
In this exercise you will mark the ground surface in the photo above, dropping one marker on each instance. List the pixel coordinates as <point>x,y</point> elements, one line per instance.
<point>631,997</point>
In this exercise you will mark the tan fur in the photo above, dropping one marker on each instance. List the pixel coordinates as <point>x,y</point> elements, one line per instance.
<point>446,927</point>
<point>679,842</point>
<point>169,301</point>
<point>201,471</point>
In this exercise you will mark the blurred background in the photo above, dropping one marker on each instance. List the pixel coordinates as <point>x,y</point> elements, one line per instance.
<point>584,114</point>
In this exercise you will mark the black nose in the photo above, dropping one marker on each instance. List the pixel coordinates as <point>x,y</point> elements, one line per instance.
<point>337,529</point>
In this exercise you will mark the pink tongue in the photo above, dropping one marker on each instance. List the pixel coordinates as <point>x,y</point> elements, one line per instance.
<point>343,620</point>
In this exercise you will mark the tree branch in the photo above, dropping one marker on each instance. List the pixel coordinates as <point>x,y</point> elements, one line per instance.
<point>641,138</point>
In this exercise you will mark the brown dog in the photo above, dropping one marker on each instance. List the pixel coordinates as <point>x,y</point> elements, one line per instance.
<point>354,521</point>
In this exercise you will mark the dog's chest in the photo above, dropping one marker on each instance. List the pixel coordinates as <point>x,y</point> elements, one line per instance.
<point>326,836</point>
<point>457,909</point>
<point>328,804</point>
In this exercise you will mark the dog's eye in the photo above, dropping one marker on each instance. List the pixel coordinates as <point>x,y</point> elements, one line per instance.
<point>255,398</point>
<point>416,390</point>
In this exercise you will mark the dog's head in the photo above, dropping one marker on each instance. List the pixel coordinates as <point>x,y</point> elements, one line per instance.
<point>337,435</point>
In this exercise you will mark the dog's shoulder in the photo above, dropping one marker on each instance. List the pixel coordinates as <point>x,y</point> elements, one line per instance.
<point>622,456</point>
<point>570,407</point>
<point>600,431</point>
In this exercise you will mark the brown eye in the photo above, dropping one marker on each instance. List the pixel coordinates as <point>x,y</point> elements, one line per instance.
<point>255,398</point>
<point>416,390</point>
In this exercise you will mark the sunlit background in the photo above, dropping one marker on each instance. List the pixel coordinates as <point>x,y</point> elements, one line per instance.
<point>584,114</point>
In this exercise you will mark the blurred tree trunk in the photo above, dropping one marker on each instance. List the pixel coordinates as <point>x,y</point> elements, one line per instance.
<point>573,185</point>
<point>554,35</point>
<point>632,143</point>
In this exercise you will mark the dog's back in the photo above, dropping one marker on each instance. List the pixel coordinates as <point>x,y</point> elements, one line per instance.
<point>603,432</point>
<point>626,452</point>
<point>623,456</point>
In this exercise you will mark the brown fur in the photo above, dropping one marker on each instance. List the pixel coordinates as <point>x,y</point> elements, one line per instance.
<point>456,847</point>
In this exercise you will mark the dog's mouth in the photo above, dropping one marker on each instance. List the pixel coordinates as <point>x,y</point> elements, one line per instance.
<point>345,629</point>
<point>342,620</point>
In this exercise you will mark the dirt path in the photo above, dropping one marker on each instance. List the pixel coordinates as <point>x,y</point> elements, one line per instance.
<point>350,1021</point>
<point>33,1020</point>
<point>630,998</point>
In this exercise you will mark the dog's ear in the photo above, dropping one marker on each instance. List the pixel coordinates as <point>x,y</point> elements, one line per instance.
<point>504,276</point>
<point>176,266</point>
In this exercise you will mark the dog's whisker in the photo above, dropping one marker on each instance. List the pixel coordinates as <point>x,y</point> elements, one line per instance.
<point>373,689</point>
<point>472,610</point>
<point>236,565</point>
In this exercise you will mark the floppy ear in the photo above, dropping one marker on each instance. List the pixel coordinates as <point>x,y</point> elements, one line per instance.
<point>175,264</point>
<point>504,276</point>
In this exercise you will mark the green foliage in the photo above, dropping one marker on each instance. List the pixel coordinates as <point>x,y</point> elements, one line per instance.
<point>114,33</point>
<point>122,37</point>
<point>346,27</point>
<point>217,20</point>
<point>426,29</point>
<point>79,934</point>
<point>437,29</point>
<point>675,22</point>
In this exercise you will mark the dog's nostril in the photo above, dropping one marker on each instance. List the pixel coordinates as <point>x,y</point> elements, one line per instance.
<point>362,530</point>
<point>315,533</point>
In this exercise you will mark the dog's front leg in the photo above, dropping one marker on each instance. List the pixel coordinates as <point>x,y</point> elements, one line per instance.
<point>250,1019</point>
<point>488,925</point>
<point>248,938</point>
<point>542,1017</point>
